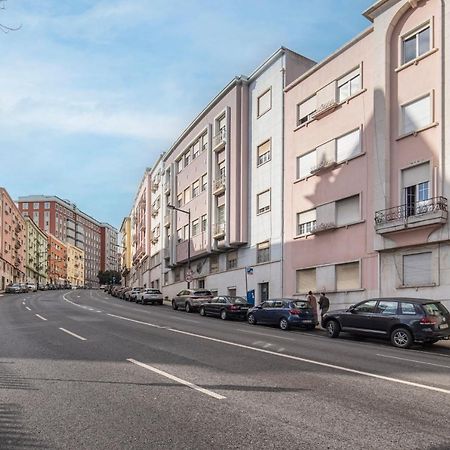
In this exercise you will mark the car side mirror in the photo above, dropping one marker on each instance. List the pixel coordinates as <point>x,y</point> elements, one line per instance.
<point>351,309</point>
<point>258,307</point>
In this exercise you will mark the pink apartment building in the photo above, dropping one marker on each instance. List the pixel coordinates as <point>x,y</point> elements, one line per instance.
<point>12,242</point>
<point>366,184</point>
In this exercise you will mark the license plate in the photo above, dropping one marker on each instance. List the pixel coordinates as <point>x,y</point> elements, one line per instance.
<point>307,321</point>
<point>443,326</point>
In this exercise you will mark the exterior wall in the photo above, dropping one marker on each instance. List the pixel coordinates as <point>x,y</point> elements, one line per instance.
<point>36,254</point>
<point>75,265</point>
<point>125,231</point>
<point>12,242</point>
<point>57,261</point>
<point>109,256</point>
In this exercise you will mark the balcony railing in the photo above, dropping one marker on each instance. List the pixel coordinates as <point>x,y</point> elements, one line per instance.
<point>218,231</point>
<point>426,212</point>
<point>219,139</point>
<point>219,185</point>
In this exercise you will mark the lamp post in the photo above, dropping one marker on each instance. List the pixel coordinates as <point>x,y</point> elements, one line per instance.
<point>188,212</point>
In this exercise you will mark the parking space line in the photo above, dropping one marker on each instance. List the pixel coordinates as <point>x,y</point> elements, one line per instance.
<point>413,360</point>
<point>73,334</point>
<point>178,380</point>
<point>40,317</point>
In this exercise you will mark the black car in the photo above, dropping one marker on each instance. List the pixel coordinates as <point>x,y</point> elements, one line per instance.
<point>225,307</point>
<point>402,320</point>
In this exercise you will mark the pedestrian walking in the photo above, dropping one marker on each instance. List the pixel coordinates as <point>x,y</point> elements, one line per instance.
<point>311,299</point>
<point>324,304</point>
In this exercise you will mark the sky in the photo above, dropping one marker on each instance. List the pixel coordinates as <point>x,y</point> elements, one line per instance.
<point>93,91</point>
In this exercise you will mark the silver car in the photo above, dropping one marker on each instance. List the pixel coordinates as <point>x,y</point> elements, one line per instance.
<point>150,295</point>
<point>191,299</point>
<point>131,296</point>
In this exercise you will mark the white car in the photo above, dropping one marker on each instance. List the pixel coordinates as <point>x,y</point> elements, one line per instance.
<point>150,295</point>
<point>31,287</point>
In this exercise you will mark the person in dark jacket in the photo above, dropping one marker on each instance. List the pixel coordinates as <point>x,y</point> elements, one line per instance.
<point>324,304</point>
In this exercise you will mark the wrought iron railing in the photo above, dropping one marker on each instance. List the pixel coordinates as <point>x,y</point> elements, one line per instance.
<point>402,212</point>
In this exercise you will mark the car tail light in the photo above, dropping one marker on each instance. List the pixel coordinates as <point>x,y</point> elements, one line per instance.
<point>428,321</point>
<point>234,307</point>
<point>294,311</point>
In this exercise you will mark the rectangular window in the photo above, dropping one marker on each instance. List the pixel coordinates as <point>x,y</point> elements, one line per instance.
<point>263,252</point>
<point>264,102</point>
<point>179,164</point>
<point>204,223</point>
<point>25,205</point>
<point>195,188</point>
<point>347,276</point>
<point>186,232</point>
<point>264,152</point>
<point>348,146</point>
<point>306,280</point>
<point>305,164</point>
<point>196,149</point>
<point>177,274</point>
<point>214,263</point>
<point>416,44</point>
<point>187,195</point>
<point>232,260</point>
<point>204,182</point>
<point>306,109</point>
<point>221,214</point>
<point>180,235</point>
<point>416,115</point>
<point>47,205</point>
<point>187,158</point>
<point>306,222</point>
<point>35,205</point>
<point>417,269</point>
<point>204,142</point>
<point>349,85</point>
<point>221,124</point>
<point>348,211</point>
<point>263,202</point>
<point>195,227</point>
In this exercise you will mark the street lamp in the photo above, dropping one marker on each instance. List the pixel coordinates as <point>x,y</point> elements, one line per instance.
<point>188,212</point>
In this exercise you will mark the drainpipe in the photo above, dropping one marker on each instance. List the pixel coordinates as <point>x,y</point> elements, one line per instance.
<point>443,97</point>
<point>283,75</point>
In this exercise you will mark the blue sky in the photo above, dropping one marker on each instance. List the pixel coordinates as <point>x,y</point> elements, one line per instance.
<point>92,91</point>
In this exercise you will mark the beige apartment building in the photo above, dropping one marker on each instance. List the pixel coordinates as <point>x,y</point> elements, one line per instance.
<point>36,254</point>
<point>75,265</point>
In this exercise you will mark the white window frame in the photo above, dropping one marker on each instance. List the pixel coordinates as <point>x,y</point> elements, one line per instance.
<point>261,113</point>
<point>414,32</point>
<point>265,209</point>
<point>265,157</point>
<point>310,116</point>
<point>305,224</point>
<point>401,121</point>
<point>339,86</point>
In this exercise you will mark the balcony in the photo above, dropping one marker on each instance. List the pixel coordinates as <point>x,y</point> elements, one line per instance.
<point>219,139</point>
<point>428,212</point>
<point>219,185</point>
<point>219,231</point>
<point>323,166</point>
<point>323,227</point>
<point>324,109</point>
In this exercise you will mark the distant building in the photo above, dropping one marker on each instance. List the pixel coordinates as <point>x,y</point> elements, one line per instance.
<point>109,249</point>
<point>12,242</point>
<point>75,265</point>
<point>125,232</point>
<point>36,253</point>
<point>57,261</point>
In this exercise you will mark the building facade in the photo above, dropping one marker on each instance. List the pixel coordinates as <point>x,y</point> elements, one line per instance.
<point>109,249</point>
<point>12,242</point>
<point>75,266</point>
<point>57,261</point>
<point>125,266</point>
<point>36,264</point>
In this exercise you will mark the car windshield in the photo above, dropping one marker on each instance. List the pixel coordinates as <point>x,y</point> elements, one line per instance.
<point>237,300</point>
<point>435,309</point>
<point>202,293</point>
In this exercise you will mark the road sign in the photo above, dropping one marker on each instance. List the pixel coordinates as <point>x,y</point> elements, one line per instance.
<point>189,276</point>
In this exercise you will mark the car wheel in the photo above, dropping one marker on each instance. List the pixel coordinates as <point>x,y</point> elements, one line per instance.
<point>251,319</point>
<point>223,315</point>
<point>202,311</point>
<point>174,305</point>
<point>333,328</point>
<point>401,338</point>
<point>284,324</point>
<point>187,307</point>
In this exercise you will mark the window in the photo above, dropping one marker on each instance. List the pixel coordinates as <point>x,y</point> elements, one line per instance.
<point>306,280</point>
<point>187,158</point>
<point>186,232</point>
<point>196,149</point>
<point>263,252</point>
<point>348,211</point>
<point>348,146</point>
<point>214,263</point>
<point>221,214</point>
<point>204,182</point>
<point>264,102</point>
<point>204,142</point>
<point>347,276</point>
<point>416,44</point>
<point>25,205</point>
<point>187,195</point>
<point>416,189</point>
<point>416,115</point>
<point>264,152</point>
<point>180,235</point>
<point>179,200</point>
<point>232,260</point>
<point>221,125</point>
<point>195,227</point>
<point>305,164</point>
<point>366,307</point>
<point>179,164</point>
<point>204,223</point>
<point>306,222</point>
<point>417,269</point>
<point>306,110</point>
<point>47,205</point>
<point>35,205</point>
<point>195,188</point>
<point>263,202</point>
<point>177,274</point>
<point>387,307</point>
<point>349,85</point>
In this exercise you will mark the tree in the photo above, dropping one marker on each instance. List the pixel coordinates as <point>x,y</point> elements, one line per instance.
<point>109,277</point>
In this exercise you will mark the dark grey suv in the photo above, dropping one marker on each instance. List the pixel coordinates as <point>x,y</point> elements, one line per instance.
<point>402,320</point>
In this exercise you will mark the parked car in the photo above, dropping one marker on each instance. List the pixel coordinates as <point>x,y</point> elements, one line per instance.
<point>191,299</point>
<point>122,292</point>
<point>150,295</point>
<point>131,295</point>
<point>402,320</point>
<point>14,288</point>
<point>284,312</point>
<point>226,307</point>
<point>31,287</point>
<point>24,288</point>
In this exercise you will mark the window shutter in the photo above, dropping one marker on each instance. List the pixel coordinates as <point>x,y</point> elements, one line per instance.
<point>307,107</point>
<point>264,102</point>
<point>326,214</point>
<point>348,211</point>
<point>349,76</point>
<point>347,276</point>
<point>416,115</point>
<point>307,216</point>
<point>306,280</point>
<point>348,145</point>
<point>326,95</point>
<point>306,163</point>
<point>263,148</point>
<point>415,175</point>
<point>326,153</point>
<point>417,269</point>
<point>264,200</point>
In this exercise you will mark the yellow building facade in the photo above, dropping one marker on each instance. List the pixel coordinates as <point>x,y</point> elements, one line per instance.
<point>36,262</point>
<point>126,244</point>
<point>75,265</point>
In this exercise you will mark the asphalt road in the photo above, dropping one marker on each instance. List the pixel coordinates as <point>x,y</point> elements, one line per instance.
<point>82,370</point>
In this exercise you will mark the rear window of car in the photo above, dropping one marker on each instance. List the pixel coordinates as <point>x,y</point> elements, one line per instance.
<point>153,291</point>
<point>202,293</point>
<point>301,305</point>
<point>435,309</point>
<point>238,300</point>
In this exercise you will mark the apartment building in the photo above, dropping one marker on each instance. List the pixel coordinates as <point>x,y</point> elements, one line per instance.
<point>126,248</point>
<point>57,261</point>
<point>66,222</point>
<point>12,242</point>
<point>36,263</point>
<point>109,250</point>
<point>75,266</point>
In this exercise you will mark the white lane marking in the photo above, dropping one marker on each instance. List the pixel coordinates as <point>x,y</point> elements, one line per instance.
<point>29,309</point>
<point>423,352</point>
<point>40,317</point>
<point>138,321</point>
<point>413,360</point>
<point>178,380</point>
<point>297,358</point>
<point>266,335</point>
<point>76,304</point>
<point>73,334</point>
<point>23,303</point>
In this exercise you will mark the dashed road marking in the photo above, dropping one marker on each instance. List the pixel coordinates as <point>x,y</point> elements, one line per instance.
<point>40,317</point>
<point>29,309</point>
<point>81,338</point>
<point>414,361</point>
